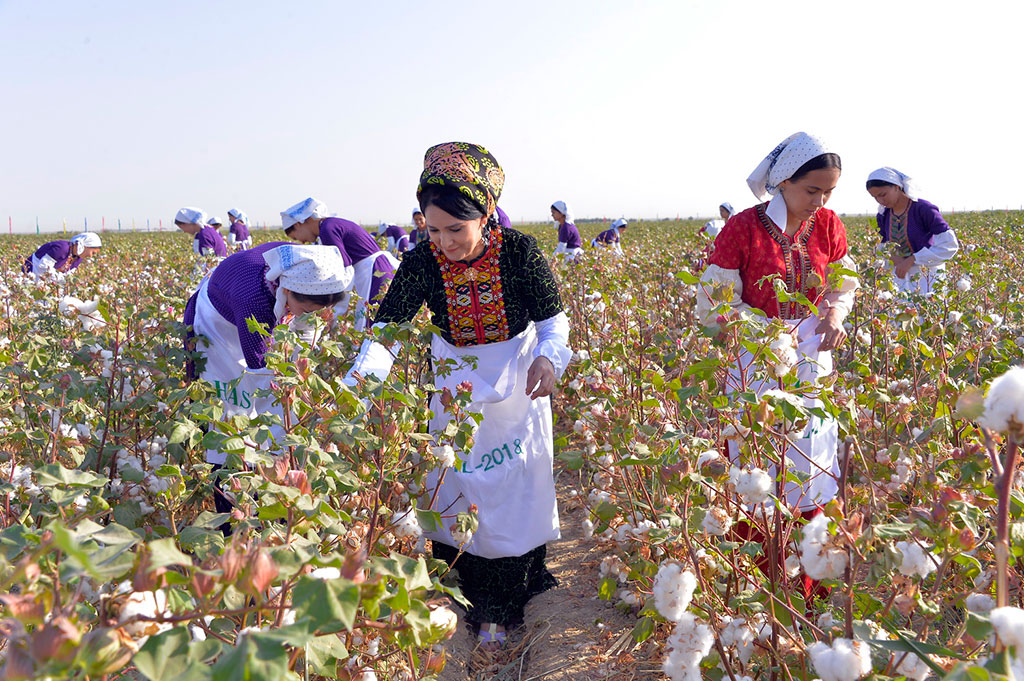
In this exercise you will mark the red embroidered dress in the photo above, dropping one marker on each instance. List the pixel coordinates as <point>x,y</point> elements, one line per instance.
<point>476,306</point>
<point>755,246</point>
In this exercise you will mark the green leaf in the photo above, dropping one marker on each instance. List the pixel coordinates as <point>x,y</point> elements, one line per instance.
<point>323,654</point>
<point>54,474</point>
<point>430,521</point>
<point>893,530</point>
<point>163,553</point>
<point>255,657</point>
<point>165,657</point>
<point>607,589</point>
<point>412,572</point>
<point>327,603</point>
<point>643,629</point>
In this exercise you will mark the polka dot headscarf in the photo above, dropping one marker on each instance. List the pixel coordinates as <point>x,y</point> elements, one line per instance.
<point>783,161</point>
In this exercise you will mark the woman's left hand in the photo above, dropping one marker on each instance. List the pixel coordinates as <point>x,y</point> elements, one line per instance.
<point>831,330</point>
<point>540,378</point>
<point>903,266</point>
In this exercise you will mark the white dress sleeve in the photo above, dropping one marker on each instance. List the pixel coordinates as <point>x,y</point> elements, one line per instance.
<point>944,246</point>
<point>842,298</point>
<point>374,359</point>
<point>713,278</point>
<point>553,342</point>
<point>43,265</point>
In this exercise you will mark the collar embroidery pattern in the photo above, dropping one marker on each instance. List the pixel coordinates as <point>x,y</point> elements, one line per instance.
<point>799,269</point>
<point>476,305</point>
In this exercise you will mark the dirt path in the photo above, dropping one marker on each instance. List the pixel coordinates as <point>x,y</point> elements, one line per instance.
<point>569,634</point>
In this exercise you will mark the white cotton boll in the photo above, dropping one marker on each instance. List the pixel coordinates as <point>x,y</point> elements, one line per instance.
<point>915,560</point>
<point>689,643</point>
<point>441,618</point>
<point>863,337</point>
<point>954,317</point>
<point>826,621</point>
<point>980,603</point>
<point>326,573</point>
<point>753,486</point>
<point>707,457</point>
<point>792,565</point>
<point>1004,403</point>
<point>716,521</point>
<point>146,604</point>
<point>1009,625</point>
<point>844,660</point>
<point>737,632</point>
<point>462,537</point>
<point>820,559</point>
<point>884,296</point>
<point>588,528</point>
<point>784,349</point>
<point>444,454</point>
<point>912,667</point>
<point>407,524</point>
<point>673,590</point>
<point>628,597</point>
<point>963,285</point>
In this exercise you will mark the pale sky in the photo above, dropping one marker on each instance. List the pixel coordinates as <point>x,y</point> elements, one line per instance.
<point>123,109</point>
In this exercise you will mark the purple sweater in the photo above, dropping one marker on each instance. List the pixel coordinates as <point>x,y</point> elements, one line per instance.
<point>923,222</point>
<point>238,289</point>
<point>209,241</point>
<point>240,231</point>
<point>354,242</point>
<point>400,236</point>
<point>608,236</point>
<point>569,235</point>
<point>60,251</point>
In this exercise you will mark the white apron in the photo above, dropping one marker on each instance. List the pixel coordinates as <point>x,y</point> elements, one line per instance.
<point>508,474</point>
<point>568,253</point>
<point>817,451</point>
<point>363,280</point>
<point>226,370</point>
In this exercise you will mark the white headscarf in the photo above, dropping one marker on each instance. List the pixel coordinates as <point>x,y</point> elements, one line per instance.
<point>239,215</point>
<point>563,208</point>
<point>303,210</point>
<point>195,216</point>
<point>214,221</point>
<point>893,176</point>
<point>313,270</point>
<point>382,228</point>
<point>84,240</point>
<point>728,206</point>
<point>417,210</point>
<point>782,162</point>
<point>621,222</point>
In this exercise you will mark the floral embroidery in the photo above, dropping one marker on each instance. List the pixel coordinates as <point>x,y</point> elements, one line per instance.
<point>800,275</point>
<point>469,167</point>
<point>476,305</point>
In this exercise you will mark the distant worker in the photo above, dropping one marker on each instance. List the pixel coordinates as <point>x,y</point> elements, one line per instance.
<point>419,231</point>
<point>611,237</point>
<point>714,226</point>
<point>569,245</point>
<point>238,233</point>
<point>56,258</point>
<point>398,238</point>
<point>206,240</point>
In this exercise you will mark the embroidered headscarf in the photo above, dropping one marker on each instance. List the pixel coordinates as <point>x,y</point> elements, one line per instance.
<point>214,221</point>
<point>312,270</point>
<point>563,208</point>
<point>84,240</point>
<point>302,211</point>
<point>728,207</point>
<point>893,176</point>
<point>238,215</point>
<point>468,167</point>
<point>783,161</point>
<point>193,216</point>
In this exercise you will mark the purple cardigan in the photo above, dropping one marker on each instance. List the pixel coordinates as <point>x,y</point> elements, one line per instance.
<point>60,251</point>
<point>354,242</point>
<point>569,235</point>
<point>923,222</point>
<point>209,239</point>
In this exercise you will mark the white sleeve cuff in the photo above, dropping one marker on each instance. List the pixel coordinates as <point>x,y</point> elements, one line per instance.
<point>374,359</point>
<point>553,342</point>
<point>944,246</point>
<point>44,264</point>
<point>842,298</point>
<point>713,278</point>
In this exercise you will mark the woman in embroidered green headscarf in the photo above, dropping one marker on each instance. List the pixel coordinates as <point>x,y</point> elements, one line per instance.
<point>493,297</point>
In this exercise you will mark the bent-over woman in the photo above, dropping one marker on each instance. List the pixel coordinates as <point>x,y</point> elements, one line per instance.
<point>611,237</point>
<point>56,258</point>
<point>398,238</point>
<point>491,293</point>
<point>206,240</point>
<point>238,233</point>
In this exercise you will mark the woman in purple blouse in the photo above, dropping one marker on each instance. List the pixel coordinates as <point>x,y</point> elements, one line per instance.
<point>419,231</point>
<point>307,222</point>
<point>57,258</point>
<point>206,240</point>
<point>611,237</point>
<point>238,233</point>
<point>920,239</point>
<point>398,238</point>
<point>569,245</point>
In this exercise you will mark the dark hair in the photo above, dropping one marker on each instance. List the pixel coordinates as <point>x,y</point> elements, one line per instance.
<point>881,183</point>
<point>321,299</point>
<point>821,162</point>
<point>455,203</point>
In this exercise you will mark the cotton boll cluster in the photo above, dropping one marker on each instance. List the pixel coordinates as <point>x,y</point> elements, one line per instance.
<point>444,455</point>
<point>980,603</point>
<point>689,643</point>
<point>784,349</point>
<point>903,470</point>
<point>1008,623</point>
<point>1004,403</point>
<point>144,604</point>
<point>21,478</point>
<point>407,524</point>
<point>820,555</point>
<point>612,566</point>
<point>716,521</point>
<point>673,590</point>
<point>912,667</point>
<point>737,632</point>
<point>752,485</point>
<point>86,311</point>
<point>580,356</point>
<point>915,560</point>
<point>963,285</point>
<point>844,660</point>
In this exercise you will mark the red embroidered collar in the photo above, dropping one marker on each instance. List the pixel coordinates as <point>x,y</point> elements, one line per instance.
<point>476,306</point>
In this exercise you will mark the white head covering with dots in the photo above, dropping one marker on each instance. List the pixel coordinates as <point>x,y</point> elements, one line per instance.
<point>563,208</point>
<point>214,221</point>
<point>893,176</point>
<point>239,215</point>
<point>303,210</point>
<point>782,162</point>
<point>83,240</point>
<point>313,270</point>
<point>195,216</point>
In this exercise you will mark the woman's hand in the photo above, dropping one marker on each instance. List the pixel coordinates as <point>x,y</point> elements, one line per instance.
<point>540,378</point>
<point>831,330</point>
<point>901,266</point>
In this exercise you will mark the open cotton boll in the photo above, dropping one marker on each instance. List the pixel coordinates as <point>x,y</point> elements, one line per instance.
<point>326,573</point>
<point>916,561</point>
<point>980,603</point>
<point>753,486</point>
<point>1009,625</point>
<point>673,590</point>
<point>716,521</point>
<point>1004,403</point>
<point>912,666</point>
<point>689,643</point>
<point>737,632</point>
<point>407,524</point>
<point>844,660</point>
<point>819,556</point>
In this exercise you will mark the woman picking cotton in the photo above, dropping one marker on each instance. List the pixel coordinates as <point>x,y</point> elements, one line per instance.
<point>919,238</point>
<point>792,238</point>
<point>714,226</point>
<point>53,260</point>
<point>308,222</point>
<point>269,283</point>
<point>238,233</point>
<point>569,245</point>
<point>493,298</point>
<point>611,237</point>
<point>206,240</point>
<point>397,238</point>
